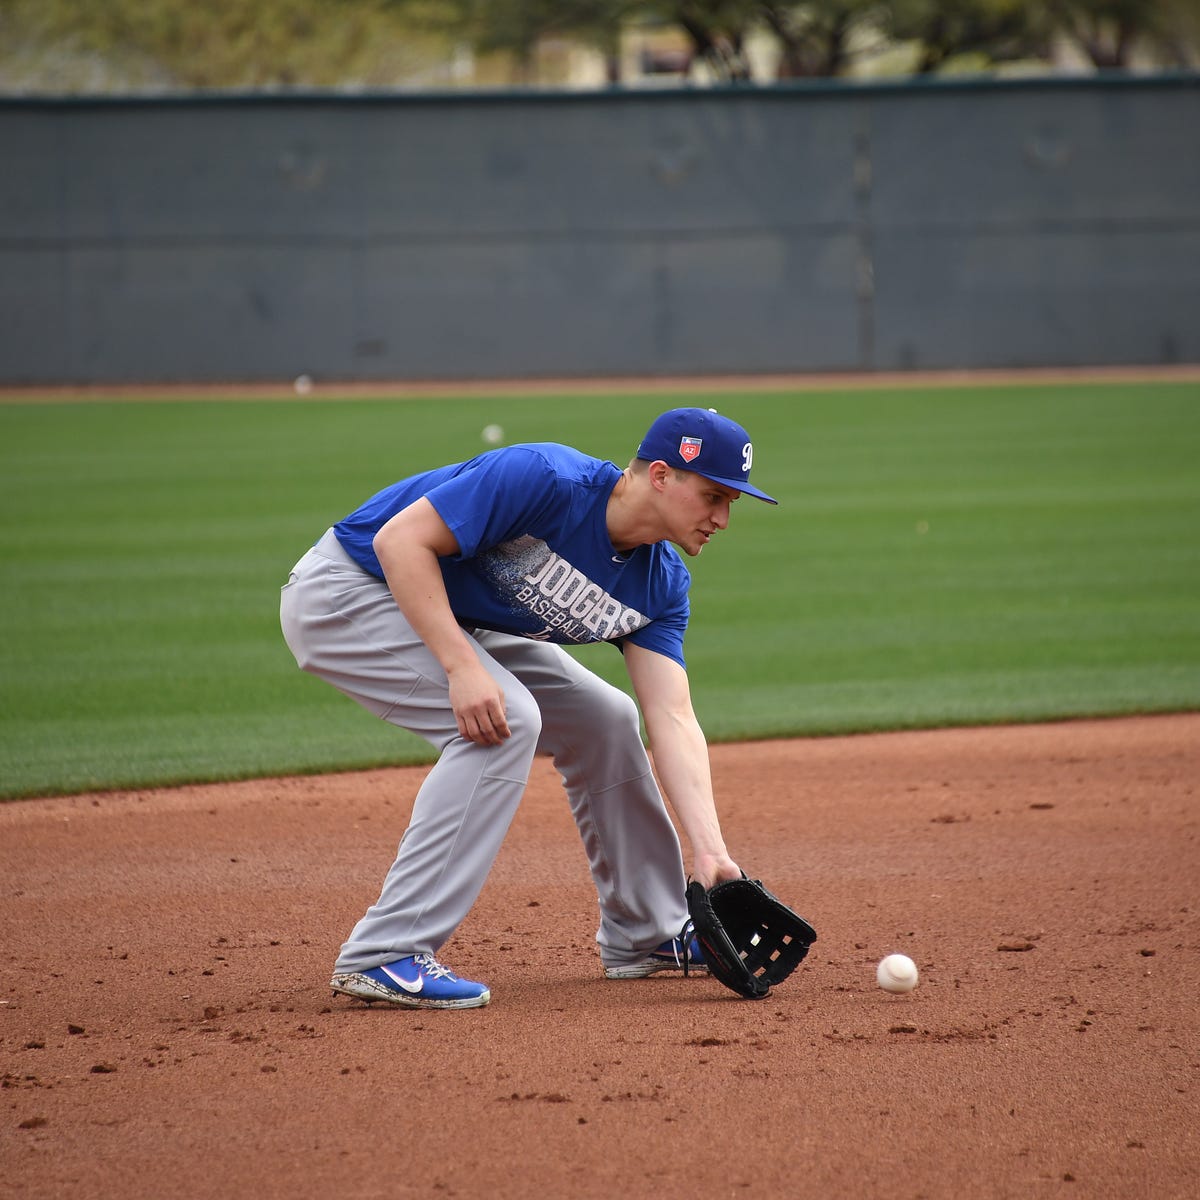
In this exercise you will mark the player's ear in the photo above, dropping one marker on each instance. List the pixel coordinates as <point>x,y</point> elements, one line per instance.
<point>658,474</point>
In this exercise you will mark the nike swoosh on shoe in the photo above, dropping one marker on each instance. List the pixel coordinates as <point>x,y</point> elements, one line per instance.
<point>412,987</point>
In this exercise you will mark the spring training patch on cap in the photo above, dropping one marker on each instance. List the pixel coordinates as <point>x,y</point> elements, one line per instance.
<point>717,448</point>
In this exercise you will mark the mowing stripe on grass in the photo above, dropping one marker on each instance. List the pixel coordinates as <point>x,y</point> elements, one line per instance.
<point>940,556</point>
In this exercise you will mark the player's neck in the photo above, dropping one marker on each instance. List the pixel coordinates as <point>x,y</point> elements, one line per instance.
<point>630,520</point>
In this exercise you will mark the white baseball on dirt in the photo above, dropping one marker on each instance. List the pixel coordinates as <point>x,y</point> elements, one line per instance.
<point>492,434</point>
<point>897,973</point>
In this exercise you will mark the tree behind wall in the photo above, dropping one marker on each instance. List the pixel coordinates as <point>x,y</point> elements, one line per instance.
<point>274,44</point>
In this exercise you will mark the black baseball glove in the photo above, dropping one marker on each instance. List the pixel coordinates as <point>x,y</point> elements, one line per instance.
<point>750,939</point>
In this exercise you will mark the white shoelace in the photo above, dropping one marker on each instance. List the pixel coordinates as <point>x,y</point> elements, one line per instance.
<point>432,967</point>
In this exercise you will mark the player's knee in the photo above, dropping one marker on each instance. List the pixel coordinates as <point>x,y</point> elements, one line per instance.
<point>524,717</point>
<point>618,713</point>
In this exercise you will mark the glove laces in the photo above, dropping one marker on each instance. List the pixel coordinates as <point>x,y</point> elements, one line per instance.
<point>683,946</point>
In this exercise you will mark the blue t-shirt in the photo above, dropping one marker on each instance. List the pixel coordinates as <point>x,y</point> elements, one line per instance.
<point>535,558</point>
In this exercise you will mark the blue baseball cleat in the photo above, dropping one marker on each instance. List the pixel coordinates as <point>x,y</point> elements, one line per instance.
<point>677,954</point>
<point>418,981</point>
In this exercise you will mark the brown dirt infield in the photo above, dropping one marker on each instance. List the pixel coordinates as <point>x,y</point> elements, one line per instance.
<point>164,1028</point>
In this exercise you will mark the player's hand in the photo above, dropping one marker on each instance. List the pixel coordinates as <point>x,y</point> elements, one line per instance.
<point>478,704</point>
<point>711,869</point>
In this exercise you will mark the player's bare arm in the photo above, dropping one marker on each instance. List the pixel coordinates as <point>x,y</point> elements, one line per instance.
<point>408,547</point>
<point>681,758</point>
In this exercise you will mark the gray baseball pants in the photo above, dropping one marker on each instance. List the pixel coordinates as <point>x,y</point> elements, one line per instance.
<point>343,625</point>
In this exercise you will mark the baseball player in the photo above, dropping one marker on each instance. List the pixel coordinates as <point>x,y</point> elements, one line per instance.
<point>442,605</point>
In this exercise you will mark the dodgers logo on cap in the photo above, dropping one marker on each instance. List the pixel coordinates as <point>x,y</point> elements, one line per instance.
<point>703,441</point>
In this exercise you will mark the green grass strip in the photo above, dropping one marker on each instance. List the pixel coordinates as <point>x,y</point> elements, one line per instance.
<point>941,556</point>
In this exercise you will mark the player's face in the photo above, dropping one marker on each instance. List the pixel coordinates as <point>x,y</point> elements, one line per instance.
<point>697,508</point>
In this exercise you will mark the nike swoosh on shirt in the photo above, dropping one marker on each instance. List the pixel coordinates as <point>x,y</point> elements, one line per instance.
<point>412,988</point>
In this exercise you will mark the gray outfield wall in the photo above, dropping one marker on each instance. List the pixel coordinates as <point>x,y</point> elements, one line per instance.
<point>814,228</point>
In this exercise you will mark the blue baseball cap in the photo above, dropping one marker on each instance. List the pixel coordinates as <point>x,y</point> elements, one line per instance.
<point>703,441</point>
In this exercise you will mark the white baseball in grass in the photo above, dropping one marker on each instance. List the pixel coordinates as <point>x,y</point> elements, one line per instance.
<point>896,973</point>
<point>492,434</point>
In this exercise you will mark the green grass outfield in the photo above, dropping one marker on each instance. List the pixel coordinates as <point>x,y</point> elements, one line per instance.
<point>941,555</point>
